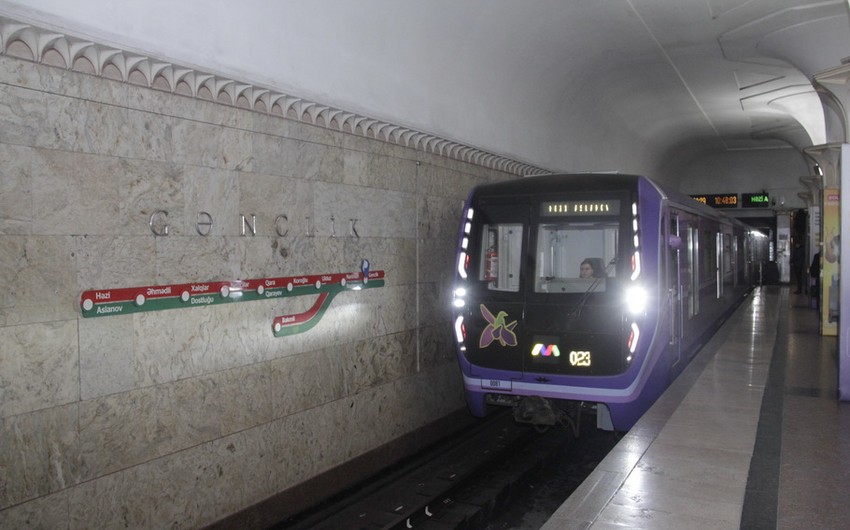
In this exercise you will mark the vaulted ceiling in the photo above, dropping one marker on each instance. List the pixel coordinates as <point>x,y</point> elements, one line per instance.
<point>634,85</point>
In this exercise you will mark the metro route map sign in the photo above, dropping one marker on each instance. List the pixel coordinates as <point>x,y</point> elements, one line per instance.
<point>122,301</point>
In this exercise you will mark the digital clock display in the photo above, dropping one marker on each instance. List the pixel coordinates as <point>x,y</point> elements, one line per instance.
<point>603,207</point>
<point>719,200</point>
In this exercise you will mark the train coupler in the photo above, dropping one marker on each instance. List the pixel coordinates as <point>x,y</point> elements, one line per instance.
<point>537,411</point>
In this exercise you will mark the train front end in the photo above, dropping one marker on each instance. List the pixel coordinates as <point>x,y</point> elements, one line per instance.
<point>553,294</point>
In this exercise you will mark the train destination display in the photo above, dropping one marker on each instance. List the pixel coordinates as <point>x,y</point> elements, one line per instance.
<point>602,207</point>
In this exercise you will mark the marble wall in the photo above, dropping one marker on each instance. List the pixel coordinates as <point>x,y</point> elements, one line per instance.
<point>178,418</point>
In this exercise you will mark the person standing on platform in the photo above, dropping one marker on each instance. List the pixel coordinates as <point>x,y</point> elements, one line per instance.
<point>814,272</point>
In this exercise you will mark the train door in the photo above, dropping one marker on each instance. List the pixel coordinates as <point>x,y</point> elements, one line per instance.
<point>494,315</point>
<point>729,257</point>
<point>693,268</point>
<point>677,285</point>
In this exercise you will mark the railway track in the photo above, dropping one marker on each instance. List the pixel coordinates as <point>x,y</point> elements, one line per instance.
<point>455,484</point>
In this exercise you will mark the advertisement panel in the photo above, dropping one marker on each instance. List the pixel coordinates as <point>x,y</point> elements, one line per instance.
<point>830,271</point>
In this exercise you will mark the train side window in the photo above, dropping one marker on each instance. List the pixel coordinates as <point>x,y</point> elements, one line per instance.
<point>728,259</point>
<point>708,246</point>
<point>693,287</point>
<point>501,256</point>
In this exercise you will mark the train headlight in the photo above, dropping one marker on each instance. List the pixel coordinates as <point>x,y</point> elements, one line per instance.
<point>637,299</point>
<point>459,299</point>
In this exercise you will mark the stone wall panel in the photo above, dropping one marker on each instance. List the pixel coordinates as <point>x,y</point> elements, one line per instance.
<point>178,418</point>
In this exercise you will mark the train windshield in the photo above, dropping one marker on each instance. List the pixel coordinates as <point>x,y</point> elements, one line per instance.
<point>576,256</point>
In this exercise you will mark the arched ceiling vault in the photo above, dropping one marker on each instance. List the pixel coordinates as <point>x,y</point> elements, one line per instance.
<point>625,85</point>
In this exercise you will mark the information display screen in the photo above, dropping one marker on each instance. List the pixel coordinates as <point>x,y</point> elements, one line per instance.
<point>718,200</point>
<point>598,207</point>
<point>755,200</point>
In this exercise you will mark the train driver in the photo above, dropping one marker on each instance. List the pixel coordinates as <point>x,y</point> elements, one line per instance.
<point>589,268</point>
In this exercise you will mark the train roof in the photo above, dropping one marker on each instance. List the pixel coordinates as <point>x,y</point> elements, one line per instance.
<point>599,181</point>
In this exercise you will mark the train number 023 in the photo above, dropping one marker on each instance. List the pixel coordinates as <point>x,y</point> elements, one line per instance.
<point>579,358</point>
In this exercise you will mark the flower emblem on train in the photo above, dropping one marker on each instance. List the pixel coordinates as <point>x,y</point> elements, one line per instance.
<point>497,329</point>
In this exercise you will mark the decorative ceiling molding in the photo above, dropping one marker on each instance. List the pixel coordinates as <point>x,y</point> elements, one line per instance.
<point>26,41</point>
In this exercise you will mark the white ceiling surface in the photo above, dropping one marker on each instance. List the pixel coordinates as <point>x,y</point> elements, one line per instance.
<point>632,85</point>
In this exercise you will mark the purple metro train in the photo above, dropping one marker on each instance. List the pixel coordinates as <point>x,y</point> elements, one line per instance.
<point>589,291</point>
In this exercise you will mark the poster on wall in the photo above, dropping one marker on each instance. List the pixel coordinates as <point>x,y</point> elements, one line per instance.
<point>830,295</point>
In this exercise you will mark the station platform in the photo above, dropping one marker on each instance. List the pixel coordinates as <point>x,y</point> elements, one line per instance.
<point>750,435</point>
